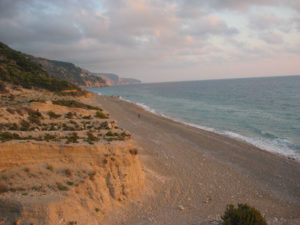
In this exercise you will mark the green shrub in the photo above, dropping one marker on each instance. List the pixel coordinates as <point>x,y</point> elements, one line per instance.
<point>101,115</point>
<point>91,138</point>
<point>70,183</point>
<point>49,167</point>
<point>13,126</point>
<point>49,137</point>
<point>7,136</point>
<point>109,133</point>
<point>62,187</point>
<point>242,215</point>
<point>53,115</point>
<point>34,116</point>
<point>69,115</point>
<point>24,125</point>
<point>73,138</point>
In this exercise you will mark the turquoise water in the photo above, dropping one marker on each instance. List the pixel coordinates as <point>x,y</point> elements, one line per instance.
<point>261,111</point>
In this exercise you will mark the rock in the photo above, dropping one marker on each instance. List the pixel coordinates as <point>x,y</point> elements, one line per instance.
<point>180,207</point>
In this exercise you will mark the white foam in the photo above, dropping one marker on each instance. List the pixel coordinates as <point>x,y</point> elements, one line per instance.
<point>279,146</point>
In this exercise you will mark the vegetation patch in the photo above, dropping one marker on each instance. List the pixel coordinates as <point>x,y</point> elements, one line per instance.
<point>18,69</point>
<point>3,187</point>
<point>243,214</point>
<point>7,136</point>
<point>75,104</point>
<point>53,115</point>
<point>73,138</point>
<point>62,187</point>
<point>101,115</point>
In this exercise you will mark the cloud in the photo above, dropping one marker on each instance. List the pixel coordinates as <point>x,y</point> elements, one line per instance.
<point>145,36</point>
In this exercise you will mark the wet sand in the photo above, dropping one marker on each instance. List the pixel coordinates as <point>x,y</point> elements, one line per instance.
<point>192,174</point>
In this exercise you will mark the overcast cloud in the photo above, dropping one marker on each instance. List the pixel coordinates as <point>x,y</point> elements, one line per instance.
<point>160,40</point>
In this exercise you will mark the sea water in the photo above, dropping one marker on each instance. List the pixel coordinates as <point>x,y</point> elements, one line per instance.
<point>262,111</point>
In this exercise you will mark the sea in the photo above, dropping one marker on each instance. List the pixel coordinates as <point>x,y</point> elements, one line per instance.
<point>262,111</point>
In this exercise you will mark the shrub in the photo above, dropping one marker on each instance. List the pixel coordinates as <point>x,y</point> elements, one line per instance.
<point>87,117</point>
<point>49,137</point>
<point>109,133</point>
<point>49,167</point>
<point>70,183</point>
<point>243,214</point>
<point>34,116</point>
<point>100,114</point>
<point>3,187</point>
<point>68,172</point>
<point>24,125</point>
<point>10,110</point>
<point>73,138</point>
<point>53,115</point>
<point>61,187</point>
<point>133,151</point>
<point>13,126</point>
<point>7,136</point>
<point>69,115</point>
<point>91,138</point>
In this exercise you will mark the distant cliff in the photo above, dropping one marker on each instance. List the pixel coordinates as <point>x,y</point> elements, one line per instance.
<point>113,79</point>
<point>79,76</point>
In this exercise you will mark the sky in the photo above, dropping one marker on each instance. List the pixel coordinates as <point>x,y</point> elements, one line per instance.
<point>160,40</point>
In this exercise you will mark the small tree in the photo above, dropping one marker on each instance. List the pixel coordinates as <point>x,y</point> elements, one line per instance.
<point>243,214</point>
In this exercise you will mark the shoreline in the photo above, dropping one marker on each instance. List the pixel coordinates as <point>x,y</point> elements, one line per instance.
<point>202,171</point>
<point>232,135</point>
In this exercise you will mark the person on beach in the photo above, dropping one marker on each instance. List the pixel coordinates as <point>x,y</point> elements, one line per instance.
<point>139,115</point>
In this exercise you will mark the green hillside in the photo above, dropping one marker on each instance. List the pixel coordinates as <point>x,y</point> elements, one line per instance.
<point>69,72</point>
<point>18,69</point>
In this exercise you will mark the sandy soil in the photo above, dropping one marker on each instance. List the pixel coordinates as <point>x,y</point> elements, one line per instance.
<point>193,174</point>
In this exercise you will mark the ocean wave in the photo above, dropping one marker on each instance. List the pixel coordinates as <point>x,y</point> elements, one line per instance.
<point>275,145</point>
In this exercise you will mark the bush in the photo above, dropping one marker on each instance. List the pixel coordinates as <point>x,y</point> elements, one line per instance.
<point>3,187</point>
<point>24,125</point>
<point>109,133</point>
<point>49,137</point>
<point>73,138</point>
<point>7,136</point>
<point>243,214</point>
<point>91,138</point>
<point>62,187</point>
<point>69,115</point>
<point>53,115</point>
<point>34,116</point>
<point>101,115</point>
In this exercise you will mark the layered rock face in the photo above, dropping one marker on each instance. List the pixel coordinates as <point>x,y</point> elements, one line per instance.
<point>54,184</point>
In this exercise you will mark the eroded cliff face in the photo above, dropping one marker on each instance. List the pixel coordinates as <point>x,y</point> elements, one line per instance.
<point>51,184</point>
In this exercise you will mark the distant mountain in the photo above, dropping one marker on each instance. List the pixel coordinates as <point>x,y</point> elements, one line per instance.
<point>79,76</point>
<point>19,69</point>
<point>113,79</point>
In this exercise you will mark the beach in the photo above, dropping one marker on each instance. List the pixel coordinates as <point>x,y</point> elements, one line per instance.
<point>192,174</point>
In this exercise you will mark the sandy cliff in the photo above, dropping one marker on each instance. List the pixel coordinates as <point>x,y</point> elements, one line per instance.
<point>62,161</point>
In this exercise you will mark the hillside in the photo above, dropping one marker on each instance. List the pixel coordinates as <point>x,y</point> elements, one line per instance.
<point>18,69</point>
<point>79,76</point>
<point>70,72</point>
<point>63,159</point>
